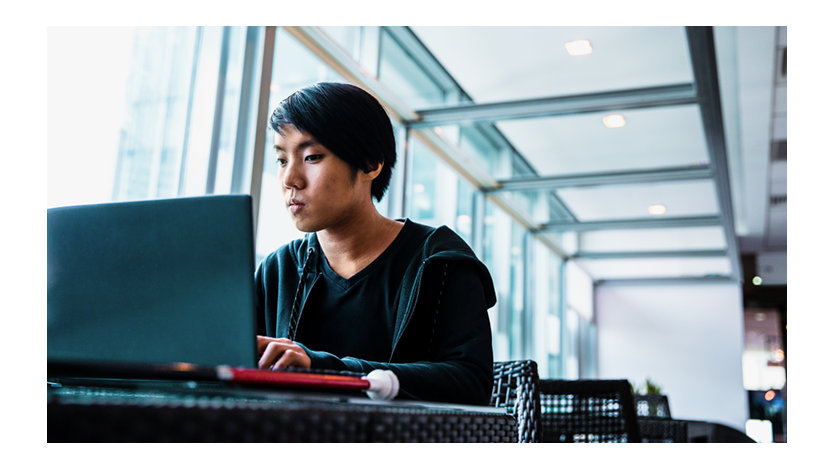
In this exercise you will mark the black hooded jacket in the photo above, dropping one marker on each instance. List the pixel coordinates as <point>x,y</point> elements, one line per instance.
<point>442,346</point>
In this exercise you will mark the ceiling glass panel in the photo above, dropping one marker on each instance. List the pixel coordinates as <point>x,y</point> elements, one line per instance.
<point>696,198</point>
<point>656,239</point>
<point>638,201</point>
<point>655,267</point>
<point>651,138</point>
<point>526,62</point>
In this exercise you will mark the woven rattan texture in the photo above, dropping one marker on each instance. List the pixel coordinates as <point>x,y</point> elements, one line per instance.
<point>213,419</point>
<point>588,411</point>
<point>652,406</point>
<point>516,386</point>
<point>662,430</point>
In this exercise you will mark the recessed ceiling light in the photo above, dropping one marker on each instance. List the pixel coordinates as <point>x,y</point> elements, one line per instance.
<point>579,47</point>
<point>657,209</point>
<point>613,121</point>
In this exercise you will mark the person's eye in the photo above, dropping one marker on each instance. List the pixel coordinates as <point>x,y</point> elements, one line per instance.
<point>313,158</point>
<point>281,161</point>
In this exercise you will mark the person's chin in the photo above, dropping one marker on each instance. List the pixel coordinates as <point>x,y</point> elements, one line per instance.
<point>303,225</point>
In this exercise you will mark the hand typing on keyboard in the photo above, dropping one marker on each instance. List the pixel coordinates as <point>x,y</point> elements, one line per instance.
<point>280,353</point>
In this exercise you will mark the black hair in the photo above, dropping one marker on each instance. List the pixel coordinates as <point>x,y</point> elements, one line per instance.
<point>348,121</point>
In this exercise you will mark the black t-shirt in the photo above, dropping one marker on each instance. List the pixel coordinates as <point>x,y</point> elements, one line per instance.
<point>356,316</point>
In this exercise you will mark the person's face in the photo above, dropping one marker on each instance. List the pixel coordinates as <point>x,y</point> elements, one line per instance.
<point>320,189</point>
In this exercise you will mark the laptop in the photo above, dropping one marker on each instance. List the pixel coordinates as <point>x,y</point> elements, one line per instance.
<point>152,282</point>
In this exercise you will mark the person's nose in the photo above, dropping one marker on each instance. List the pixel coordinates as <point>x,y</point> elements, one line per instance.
<point>292,176</point>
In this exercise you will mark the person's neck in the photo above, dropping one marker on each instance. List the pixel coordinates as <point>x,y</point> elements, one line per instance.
<point>356,243</point>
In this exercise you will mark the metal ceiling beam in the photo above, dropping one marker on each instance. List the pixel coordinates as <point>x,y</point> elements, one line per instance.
<point>668,95</point>
<point>649,254</point>
<point>702,53</point>
<point>658,222</point>
<point>663,280</point>
<point>604,178</point>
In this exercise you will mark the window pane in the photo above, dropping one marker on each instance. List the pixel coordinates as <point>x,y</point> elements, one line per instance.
<point>518,323</point>
<point>431,185</point>
<point>405,77</point>
<point>547,326</point>
<point>497,259</point>
<point>489,154</point>
<point>504,257</point>
<point>85,111</point>
<point>139,122</point>
<point>465,211</point>
<point>347,37</point>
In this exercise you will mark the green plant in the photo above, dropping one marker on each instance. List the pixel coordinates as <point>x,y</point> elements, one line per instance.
<point>652,388</point>
<point>647,388</point>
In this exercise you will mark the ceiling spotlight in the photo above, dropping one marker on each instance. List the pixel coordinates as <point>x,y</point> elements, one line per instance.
<point>613,121</point>
<point>657,209</point>
<point>579,47</point>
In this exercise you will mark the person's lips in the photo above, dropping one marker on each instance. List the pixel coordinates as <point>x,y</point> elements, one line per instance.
<point>295,205</point>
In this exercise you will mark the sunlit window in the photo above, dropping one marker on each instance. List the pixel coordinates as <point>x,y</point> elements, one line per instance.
<point>139,113</point>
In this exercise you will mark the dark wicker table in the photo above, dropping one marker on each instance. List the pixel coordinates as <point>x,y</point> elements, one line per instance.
<point>160,411</point>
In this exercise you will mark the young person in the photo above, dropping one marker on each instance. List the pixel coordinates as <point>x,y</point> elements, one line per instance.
<point>362,291</point>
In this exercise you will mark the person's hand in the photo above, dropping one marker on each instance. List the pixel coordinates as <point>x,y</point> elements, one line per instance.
<point>280,353</point>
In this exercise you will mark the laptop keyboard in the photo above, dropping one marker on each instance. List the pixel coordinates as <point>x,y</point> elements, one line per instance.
<point>158,392</point>
<point>348,373</point>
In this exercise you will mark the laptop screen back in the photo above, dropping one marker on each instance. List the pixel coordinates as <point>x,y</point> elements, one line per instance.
<point>152,282</point>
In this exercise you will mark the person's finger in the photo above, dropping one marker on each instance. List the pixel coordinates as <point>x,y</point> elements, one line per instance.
<point>264,341</point>
<point>292,358</point>
<point>272,352</point>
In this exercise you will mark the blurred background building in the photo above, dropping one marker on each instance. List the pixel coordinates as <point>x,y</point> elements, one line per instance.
<point>626,186</point>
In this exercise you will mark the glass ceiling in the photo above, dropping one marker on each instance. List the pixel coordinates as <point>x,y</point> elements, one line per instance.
<point>621,197</point>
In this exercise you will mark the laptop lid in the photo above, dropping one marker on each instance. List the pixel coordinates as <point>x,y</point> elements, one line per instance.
<point>158,281</point>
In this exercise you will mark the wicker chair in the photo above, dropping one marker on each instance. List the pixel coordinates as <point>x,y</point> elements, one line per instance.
<point>655,420</point>
<point>662,430</point>
<point>516,386</point>
<point>588,411</point>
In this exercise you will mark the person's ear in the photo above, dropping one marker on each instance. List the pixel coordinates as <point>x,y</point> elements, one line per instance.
<point>374,172</point>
